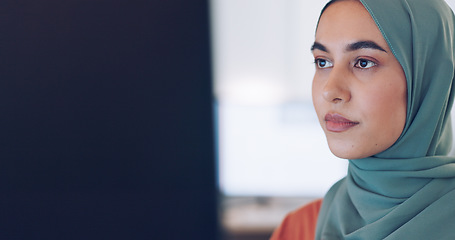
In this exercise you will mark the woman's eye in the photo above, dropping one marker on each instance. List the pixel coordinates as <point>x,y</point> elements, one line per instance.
<point>364,64</point>
<point>322,63</point>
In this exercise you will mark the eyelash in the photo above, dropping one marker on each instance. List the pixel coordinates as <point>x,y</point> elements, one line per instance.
<point>318,61</point>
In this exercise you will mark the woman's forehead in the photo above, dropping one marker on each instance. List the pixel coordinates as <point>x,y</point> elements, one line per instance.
<point>347,22</point>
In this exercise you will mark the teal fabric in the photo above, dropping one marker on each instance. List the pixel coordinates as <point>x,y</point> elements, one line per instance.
<point>407,191</point>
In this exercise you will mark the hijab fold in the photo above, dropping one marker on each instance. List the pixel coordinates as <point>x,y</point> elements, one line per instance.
<point>407,191</point>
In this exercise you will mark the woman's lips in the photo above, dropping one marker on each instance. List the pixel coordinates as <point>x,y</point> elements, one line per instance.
<point>337,123</point>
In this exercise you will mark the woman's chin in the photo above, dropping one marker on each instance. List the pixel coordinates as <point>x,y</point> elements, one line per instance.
<point>350,152</point>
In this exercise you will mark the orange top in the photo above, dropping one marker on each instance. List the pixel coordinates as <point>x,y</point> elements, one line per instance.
<point>299,224</point>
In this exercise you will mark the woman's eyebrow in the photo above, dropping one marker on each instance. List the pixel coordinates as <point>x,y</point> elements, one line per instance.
<point>351,47</point>
<point>364,44</point>
<point>319,46</point>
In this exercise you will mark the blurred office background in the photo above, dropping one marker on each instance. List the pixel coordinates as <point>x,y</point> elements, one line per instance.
<point>272,154</point>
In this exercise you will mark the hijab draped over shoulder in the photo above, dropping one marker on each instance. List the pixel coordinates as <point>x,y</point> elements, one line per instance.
<point>408,190</point>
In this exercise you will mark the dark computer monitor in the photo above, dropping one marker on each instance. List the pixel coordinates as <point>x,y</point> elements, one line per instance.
<point>106,125</point>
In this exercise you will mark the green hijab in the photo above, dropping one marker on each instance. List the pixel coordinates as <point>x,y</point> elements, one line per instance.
<point>407,191</point>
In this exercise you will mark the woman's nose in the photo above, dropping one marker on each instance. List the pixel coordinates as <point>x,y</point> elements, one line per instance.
<point>336,89</point>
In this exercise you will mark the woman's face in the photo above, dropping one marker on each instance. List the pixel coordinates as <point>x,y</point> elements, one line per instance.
<point>359,88</point>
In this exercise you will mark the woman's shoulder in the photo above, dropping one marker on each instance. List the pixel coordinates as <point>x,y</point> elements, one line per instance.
<point>299,224</point>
